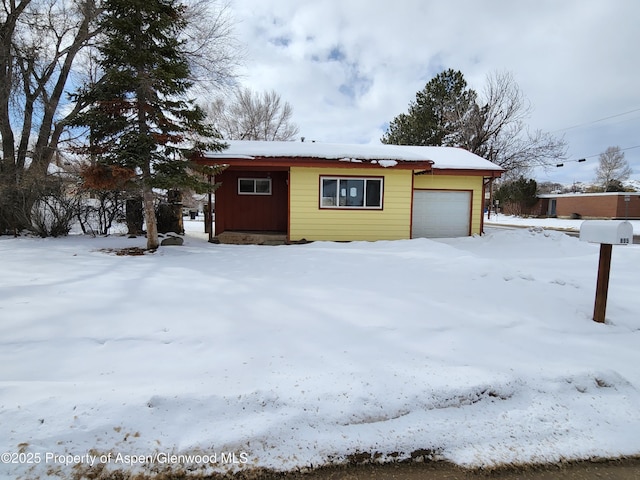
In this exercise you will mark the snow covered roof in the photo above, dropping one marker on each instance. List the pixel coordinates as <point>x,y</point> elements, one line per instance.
<point>384,155</point>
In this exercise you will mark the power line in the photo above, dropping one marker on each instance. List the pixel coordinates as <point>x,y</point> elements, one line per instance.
<point>622,150</point>
<point>566,161</point>
<point>598,120</point>
<point>583,159</point>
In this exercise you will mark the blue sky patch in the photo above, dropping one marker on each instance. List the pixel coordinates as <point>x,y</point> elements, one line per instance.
<point>337,54</point>
<point>356,83</point>
<point>280,41</point>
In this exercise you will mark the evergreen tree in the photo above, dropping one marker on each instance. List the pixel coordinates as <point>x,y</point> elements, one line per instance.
<point>491,125</point>
<point>520,193</point>
<point>139,117</point>
<point>434,118</point>
<point>615,186</point>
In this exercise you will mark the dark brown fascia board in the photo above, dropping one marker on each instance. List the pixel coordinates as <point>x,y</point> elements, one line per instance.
<point>466,172</point>
<point>424,167</point>
<point>308,162</point>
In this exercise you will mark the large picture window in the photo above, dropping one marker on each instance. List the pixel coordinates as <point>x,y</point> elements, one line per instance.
<point>254,186</point>
<point>350,192</point>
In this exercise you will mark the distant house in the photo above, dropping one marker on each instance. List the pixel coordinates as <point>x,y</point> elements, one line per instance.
<point>315,191</point>
<point>589,205</point>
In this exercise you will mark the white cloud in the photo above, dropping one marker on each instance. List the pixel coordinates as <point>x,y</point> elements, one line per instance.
<point>348,68</point>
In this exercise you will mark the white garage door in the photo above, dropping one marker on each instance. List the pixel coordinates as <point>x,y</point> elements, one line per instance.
<point>440,213</point>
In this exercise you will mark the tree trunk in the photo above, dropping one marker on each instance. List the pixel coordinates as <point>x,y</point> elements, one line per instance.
<point>169,214</point>
<point>36,79</point>
<point>150,218</point>
<point>17,200</point>
<point>134,215</point>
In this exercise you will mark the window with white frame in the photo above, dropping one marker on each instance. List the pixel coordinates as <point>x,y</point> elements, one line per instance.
<point>351,192</point>
<point>254,186</point>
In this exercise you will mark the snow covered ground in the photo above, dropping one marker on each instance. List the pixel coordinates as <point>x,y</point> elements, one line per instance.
<point>477,350</point>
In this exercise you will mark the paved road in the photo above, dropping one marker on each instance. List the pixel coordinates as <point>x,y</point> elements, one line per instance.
<point>573,233</point>
<point>628,469</point>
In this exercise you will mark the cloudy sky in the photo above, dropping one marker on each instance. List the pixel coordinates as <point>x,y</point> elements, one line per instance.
<point>348,67</point>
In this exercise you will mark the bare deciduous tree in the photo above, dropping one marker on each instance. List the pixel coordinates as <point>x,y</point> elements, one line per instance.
<point>613,167</point>
<point>491,125</point>
<point>497,129</point>
<point>209,45</point>
<point>250,115</point>
<point>45,50</point>
<point>39,41</point>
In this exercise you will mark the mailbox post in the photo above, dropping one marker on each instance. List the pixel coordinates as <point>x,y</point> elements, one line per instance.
<point>602,285</point>
<point>607,233</point>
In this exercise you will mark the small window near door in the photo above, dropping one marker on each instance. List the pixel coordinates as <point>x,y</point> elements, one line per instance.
<point>254,186</point>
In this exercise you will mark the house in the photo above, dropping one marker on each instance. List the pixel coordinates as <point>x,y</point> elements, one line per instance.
<point>315,191</point>
<point>589,205</point>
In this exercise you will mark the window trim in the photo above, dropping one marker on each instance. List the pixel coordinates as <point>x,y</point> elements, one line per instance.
<point>338,178</point>
<point>254,180</point>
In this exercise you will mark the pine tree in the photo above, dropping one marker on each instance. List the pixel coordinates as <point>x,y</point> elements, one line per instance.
<point>521,193</point>
<point>139,117</point>
<point>447,112</point>
<point>434,118</point>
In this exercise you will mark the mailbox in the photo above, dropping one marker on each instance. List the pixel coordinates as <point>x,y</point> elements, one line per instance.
<point>610,232</point>
<point>607,233</point>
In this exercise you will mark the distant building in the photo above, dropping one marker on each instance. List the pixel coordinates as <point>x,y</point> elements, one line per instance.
<point>614,205</point>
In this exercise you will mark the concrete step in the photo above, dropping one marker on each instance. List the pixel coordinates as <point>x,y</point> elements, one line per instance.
<point>252,238</point>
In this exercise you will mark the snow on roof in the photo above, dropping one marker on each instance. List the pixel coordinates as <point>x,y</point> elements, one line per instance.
<point>386,155</point>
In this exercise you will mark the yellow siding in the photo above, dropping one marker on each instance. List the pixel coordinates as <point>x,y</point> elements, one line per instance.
<point>308,221</point>
<point>445,182</point>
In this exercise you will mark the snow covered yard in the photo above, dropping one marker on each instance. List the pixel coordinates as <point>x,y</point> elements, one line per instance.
<point>476,350</point>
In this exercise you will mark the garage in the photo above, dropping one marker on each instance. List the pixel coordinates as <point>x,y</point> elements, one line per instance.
<point>441,213</point>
